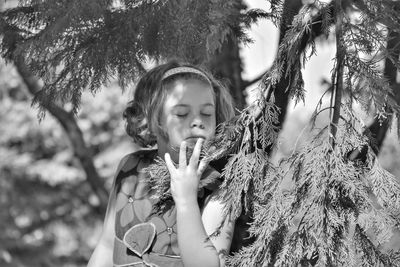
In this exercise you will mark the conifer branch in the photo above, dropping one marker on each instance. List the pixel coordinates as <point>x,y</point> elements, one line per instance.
<point>338,88</point>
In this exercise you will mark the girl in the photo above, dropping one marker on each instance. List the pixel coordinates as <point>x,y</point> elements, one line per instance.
<point>174,106</point>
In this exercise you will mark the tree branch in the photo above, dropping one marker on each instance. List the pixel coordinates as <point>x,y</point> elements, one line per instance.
<point>338,88</point>
<point>281,94</point>
<point>378,129</point>
<point>68,122</point>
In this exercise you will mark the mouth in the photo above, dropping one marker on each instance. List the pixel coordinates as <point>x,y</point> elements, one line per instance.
<point>194,138</point>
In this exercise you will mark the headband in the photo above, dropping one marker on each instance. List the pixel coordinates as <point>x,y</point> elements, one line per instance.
<point>179,70</point>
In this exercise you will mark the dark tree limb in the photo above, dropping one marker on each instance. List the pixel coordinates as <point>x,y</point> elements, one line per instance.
<point>338,87</point>
<point>281,94</point>
<point>227,65</point>
<point>241,237</point>
<point>378,129</point>
<point>69,124</point>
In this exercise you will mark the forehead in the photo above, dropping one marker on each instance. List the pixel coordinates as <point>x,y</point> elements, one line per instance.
<point>189,91</point>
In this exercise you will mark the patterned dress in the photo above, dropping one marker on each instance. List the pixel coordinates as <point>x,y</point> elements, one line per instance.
<point>143,238</point>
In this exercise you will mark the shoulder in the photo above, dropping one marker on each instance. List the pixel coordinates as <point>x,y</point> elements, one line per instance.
<point>218,222</point>
<point>130,161</point>
<point>129,164</point>
<point>216,211</point>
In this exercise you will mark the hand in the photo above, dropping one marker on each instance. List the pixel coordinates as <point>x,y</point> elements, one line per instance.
<point>185,179</point>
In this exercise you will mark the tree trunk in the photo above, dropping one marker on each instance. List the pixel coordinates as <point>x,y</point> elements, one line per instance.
<point>227,65</point>
<point>378,129</point>
<point>281,94</point>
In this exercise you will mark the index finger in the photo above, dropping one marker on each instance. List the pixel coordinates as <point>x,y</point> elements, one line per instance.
<point>182,154</point>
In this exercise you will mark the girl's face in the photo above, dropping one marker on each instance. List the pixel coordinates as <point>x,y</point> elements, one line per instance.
<point>188,113</point>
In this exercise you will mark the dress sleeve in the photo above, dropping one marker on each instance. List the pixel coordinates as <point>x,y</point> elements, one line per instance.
<point>127,163</point>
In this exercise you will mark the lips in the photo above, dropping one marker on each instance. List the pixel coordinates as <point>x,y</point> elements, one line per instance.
<point>193,139</point>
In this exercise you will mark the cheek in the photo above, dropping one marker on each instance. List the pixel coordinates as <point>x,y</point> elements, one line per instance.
<point>214,120</point>
<point>174,123</point>
<point>211,125</point>
<point>174,127</point>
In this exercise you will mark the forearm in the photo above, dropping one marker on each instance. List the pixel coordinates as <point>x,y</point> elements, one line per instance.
<point>193,228</point>
<point>195,246</point>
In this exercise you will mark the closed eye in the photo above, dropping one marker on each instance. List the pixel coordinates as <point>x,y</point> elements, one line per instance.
<point>182,115</point>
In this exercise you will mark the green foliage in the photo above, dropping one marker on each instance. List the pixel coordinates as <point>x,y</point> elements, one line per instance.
<point>330,217</point>
<point>246,169</point>
<point>325,217</point>
<point>365,40</point>
<point>79,45</point>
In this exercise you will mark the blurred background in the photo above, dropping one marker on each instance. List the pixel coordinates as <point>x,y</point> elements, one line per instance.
<point>49,213</point>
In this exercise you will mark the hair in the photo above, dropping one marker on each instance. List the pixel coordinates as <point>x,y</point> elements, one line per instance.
<point>143,113</point>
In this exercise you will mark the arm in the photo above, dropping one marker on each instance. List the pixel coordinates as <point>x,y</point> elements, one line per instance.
<point>103,253</point>
<point>197,249</point>
<point>194,228</point>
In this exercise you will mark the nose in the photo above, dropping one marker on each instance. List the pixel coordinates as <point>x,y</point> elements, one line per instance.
<point>197,122</point>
